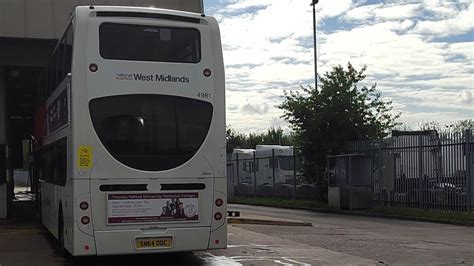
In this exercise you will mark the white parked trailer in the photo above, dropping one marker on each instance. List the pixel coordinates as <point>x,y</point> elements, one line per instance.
<point>274,161</point>
<point>242,166</point>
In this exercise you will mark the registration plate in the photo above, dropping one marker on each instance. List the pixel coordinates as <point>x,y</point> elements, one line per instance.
<point>153,243</point>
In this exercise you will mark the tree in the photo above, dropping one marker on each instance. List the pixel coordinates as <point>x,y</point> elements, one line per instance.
<point>274,136</point>
<point>324,119</point>
<point>459,126</point>
<point>429,125</point>
<point>234,139</point>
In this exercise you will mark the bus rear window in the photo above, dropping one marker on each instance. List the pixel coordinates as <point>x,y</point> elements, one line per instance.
<point>149,43</point>
<point>151,132</point>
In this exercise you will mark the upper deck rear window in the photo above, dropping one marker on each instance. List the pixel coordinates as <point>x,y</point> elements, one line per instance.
<point>149,43</point>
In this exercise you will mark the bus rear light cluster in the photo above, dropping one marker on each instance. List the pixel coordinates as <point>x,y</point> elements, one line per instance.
<point>217,216</point>
<point>217,241</point>
<point>207,72</point>
<point>85,220</point>
<point>219,202</point>
<point>93,67</point>
<point>84,205</point>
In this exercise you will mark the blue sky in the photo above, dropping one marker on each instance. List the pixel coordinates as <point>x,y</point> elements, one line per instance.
<point>420,53</point>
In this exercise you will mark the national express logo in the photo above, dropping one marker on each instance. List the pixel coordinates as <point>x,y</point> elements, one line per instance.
<point>151,77</point>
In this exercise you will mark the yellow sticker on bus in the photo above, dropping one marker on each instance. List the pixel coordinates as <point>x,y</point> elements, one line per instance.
<point>84,155</point>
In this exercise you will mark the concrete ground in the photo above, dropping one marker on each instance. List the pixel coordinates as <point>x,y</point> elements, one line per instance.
<point>378,239</point>
<point>332,239</point>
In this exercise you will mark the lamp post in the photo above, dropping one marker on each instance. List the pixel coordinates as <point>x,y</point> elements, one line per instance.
<point>313,3</point>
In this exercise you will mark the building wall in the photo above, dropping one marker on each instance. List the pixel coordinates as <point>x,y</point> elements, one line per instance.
<point>47,19</point>
<point>2,109</point>
<point>3,173</point>
<point>25,52</point>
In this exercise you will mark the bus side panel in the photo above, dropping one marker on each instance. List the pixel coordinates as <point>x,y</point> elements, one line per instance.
<point>218,237</point>
<point>67,198</point>
<point>49,207</point>
<point>219,101</point>
<point>84,245</point>
<point>81,238</point>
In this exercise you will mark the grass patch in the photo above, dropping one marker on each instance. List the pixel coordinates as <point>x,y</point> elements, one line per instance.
<point>278,202</point>
<point>427,214</point>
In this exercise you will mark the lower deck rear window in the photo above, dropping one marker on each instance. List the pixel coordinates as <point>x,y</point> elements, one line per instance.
<point>151,132</point>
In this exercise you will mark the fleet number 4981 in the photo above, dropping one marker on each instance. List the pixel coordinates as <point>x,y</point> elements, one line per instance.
<point>204,95</point>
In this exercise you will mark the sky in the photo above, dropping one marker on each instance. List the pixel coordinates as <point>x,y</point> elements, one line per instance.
<point>420,54</point>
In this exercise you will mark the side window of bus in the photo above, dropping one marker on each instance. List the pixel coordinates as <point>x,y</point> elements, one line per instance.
<point>60,64</point>
<point>54,162</point>
<point>68,49</point>
<point>61,161</point>
<point>50,78</point>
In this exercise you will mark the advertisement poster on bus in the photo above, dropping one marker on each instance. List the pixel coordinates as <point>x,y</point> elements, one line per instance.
<point>143,208</point>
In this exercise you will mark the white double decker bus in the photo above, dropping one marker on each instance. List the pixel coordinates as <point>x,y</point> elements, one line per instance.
<point>130,140</point>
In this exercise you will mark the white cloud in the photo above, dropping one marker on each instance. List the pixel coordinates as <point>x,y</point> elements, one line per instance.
<point>381,12</point>
<point>412,119</point>
<point>397,12</point>
<point>252,108</point>
<point>463,22</point>
<point>435,98</point>
<point>268,48</point>
<point>441,9</point>
<point>466,98</point>
<point>327,9</point>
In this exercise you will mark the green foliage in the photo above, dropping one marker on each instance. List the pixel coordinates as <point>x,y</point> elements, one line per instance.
<point>234,139</point>
<point>324,119</point>
<point>429,125</point>
<point>460,126</point>
<point>274,136</point>
<point>414,213</point>
<point>453,127</point>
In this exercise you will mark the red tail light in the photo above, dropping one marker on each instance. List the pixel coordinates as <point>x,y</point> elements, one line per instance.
<point>93,67</point>
<point>219,202</point>
<point>85,220</point>
<point>84,205</point>
<point>207,72</point>
<point>217,216</point>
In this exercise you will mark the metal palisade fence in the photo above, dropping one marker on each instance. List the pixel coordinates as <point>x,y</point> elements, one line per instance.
<point>421,169</point>
<point>268,170</point>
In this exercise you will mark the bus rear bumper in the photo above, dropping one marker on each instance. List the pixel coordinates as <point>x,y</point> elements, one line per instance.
<point>124,241</point>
